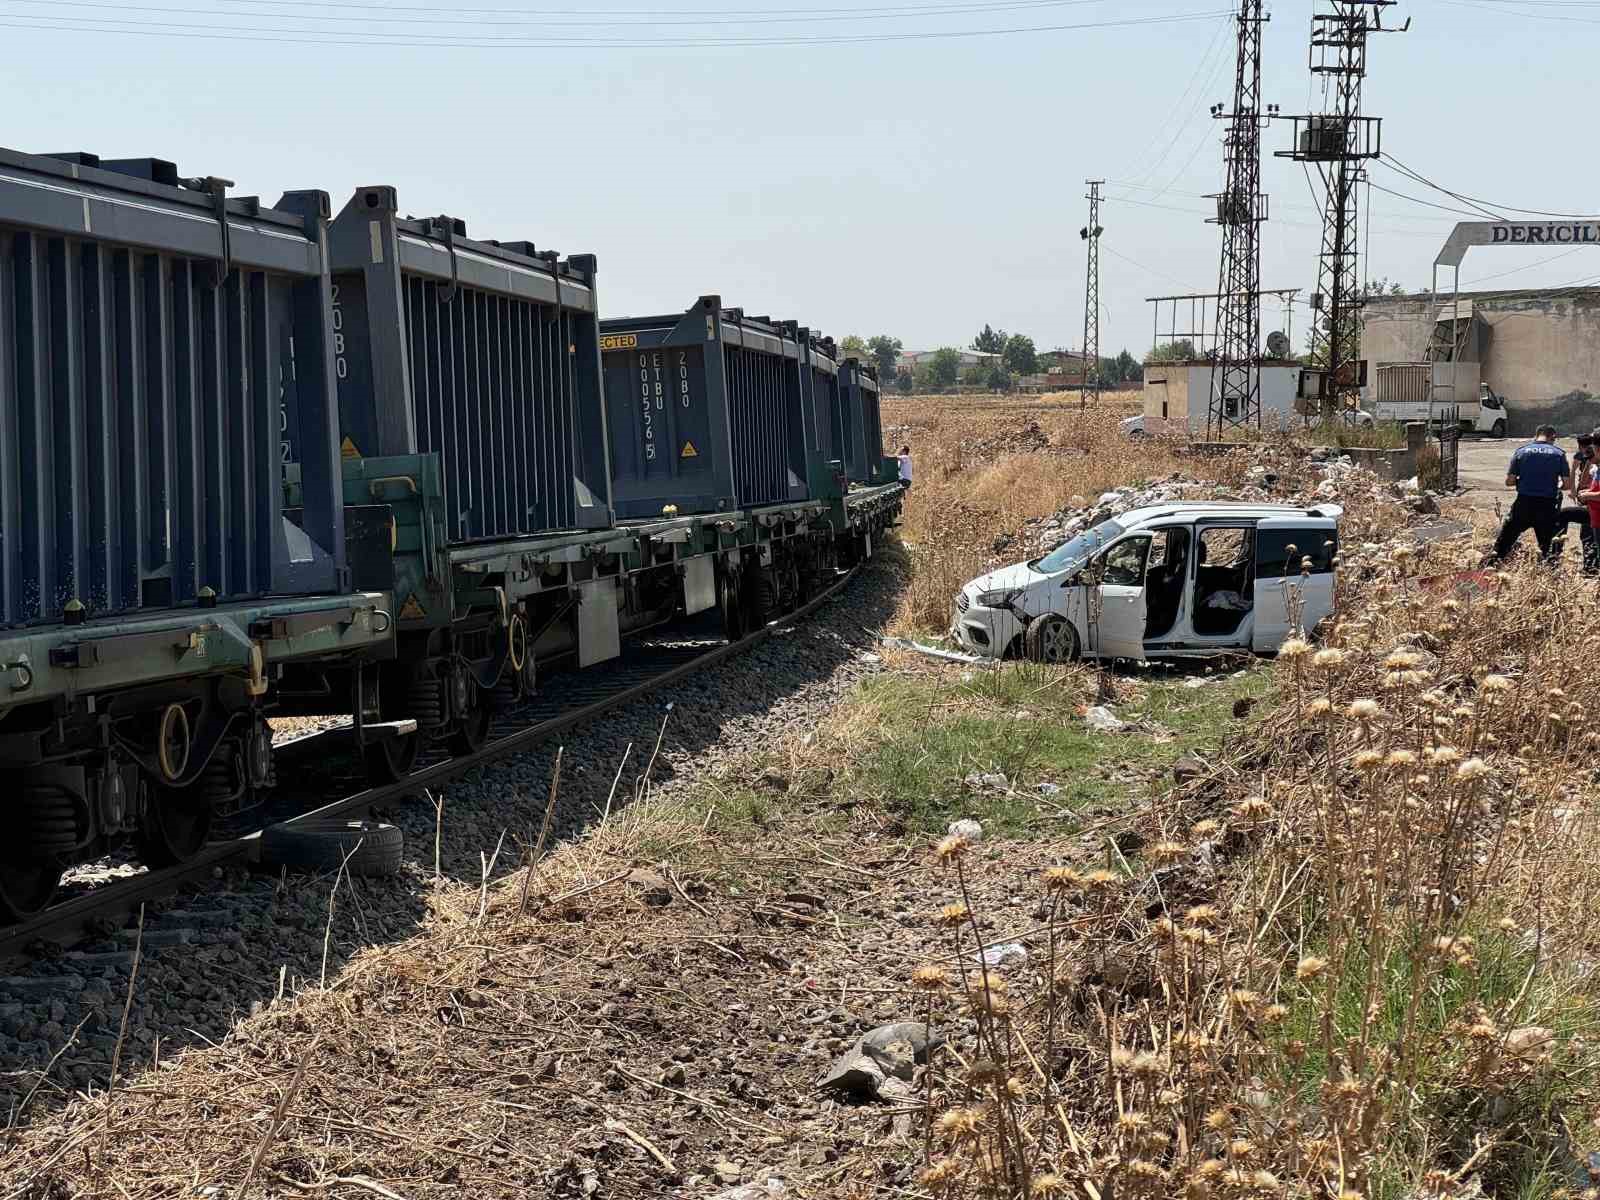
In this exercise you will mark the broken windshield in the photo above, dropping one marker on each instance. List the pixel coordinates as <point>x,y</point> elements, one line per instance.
<point>1070,554</point>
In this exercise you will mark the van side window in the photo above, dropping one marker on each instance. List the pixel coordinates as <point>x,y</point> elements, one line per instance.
<point>1274,560</point>
<point>1125,562</point>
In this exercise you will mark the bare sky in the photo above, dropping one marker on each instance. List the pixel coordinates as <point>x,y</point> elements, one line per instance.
<point>914,167</point>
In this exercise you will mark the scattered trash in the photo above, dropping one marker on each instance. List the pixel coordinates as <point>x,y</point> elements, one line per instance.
<point>1102,720</point>
<point>967,828</point>
<point>1004,956</point>
<point>871,658</point>
<point>987,781</point>
<point>1049,789</point>
<point>900,643</point>
<point>772,1187</point>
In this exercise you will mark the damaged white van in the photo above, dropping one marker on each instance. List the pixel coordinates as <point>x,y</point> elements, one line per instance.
<point>1170,581</point>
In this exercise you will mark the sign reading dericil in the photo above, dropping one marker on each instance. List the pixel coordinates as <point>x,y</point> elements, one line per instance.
<point>1545,234</point>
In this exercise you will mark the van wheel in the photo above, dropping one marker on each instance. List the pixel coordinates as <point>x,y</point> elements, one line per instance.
<point>1051,640</point>
<point>1498,430</point>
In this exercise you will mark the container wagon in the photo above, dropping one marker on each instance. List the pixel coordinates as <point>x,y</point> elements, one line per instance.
<point>469,379</point>
<point>864,462</point>
<point>712,414</point>
<point>159,586</point>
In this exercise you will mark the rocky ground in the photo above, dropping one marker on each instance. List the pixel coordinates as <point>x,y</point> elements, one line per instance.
<point>209,958</point>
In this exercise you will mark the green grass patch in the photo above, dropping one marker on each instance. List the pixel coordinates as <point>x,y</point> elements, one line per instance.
<point>929,734</point>
<point>1437,1085</point>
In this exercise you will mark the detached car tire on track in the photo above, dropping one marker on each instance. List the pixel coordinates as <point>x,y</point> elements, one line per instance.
<point>374,848</point>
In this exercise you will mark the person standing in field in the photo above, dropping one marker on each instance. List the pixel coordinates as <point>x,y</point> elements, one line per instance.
<point>1540,473</point>
<point>905,467</point>
<point>1589,494</point>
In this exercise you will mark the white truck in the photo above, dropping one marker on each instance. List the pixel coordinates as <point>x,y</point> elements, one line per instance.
<point>1441,393</point>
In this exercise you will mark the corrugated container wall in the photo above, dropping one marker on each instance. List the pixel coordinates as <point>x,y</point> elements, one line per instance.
<point>863,422</point>
<point>484,353</point>
<point>827,417</point>
<point>154,339</point>
<point>1403,383</point>
<point>705,411</point>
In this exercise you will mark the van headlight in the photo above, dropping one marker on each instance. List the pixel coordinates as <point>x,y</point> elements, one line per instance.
<point>996,599</point>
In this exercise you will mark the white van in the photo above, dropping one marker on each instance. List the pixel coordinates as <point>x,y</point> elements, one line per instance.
<point>1171,581</point>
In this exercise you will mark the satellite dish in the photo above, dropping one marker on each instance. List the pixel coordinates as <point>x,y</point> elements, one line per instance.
<point>1278,344</point>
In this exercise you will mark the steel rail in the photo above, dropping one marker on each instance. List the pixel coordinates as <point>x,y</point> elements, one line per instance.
<point>71,920</point>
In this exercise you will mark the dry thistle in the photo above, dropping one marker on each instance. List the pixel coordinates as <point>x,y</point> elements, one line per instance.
<point>1473,768</point>
<point>1368,760</point>
<point>930,978</point>
<point>952,916</point>
<point>1328,659</point>
<point>939,1174</point>
<point>1049,1185</point>
<point>1060,879</point>
<point>1293,649</point>
<point>1309,968</point>
<point>1100,880</point>
<point>1364,710</point>
<point>959,1124</point>
<point>1164,854</point>
<point>951,849</point>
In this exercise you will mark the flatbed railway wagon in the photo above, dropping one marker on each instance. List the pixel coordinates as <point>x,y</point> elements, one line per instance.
<point>713,416</point>
<point>160,588</point>
<point>469,377</point>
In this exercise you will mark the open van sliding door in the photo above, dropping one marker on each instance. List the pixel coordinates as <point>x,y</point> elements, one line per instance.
<point>1282,546</point>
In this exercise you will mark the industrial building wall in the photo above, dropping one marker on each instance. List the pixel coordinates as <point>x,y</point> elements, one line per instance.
<point>1543,350</point>
<point>1181,392</point>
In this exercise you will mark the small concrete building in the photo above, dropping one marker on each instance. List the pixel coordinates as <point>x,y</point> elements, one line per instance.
<point>1177,395</point>
<point>1539,349</point>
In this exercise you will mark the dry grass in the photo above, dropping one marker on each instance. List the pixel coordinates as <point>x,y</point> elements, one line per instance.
<point>985,465</point>
<point>1356,961</point>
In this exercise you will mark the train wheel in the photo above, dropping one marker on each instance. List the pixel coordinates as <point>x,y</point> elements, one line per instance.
<point>732,605</point>
<point>26,888</point>
<point>471,727</point>
<point>390,759</point>
<point>176,826</point>
<point>764,600</point>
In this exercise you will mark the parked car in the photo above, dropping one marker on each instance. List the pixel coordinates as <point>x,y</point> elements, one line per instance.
<point>1169,581</point>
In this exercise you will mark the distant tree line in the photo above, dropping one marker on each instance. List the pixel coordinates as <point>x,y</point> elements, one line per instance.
<point>1016,357</point>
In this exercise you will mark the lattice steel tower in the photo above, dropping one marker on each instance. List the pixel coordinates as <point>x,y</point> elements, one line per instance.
<point>1090,233</point>
<point>1241,208</point>
<point>1338,140</point>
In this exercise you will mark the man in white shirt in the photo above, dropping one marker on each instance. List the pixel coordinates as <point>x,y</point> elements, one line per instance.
<point>905,467</point>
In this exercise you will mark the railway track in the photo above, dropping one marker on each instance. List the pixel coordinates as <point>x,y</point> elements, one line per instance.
<point>583,698</point>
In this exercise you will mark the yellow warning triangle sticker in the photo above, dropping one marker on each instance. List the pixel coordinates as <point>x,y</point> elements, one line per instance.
<point>347,449</point>
<point>689,451</point>
<point>411,610</point>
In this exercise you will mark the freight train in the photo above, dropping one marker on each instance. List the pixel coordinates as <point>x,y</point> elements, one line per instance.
<point>263,461</point>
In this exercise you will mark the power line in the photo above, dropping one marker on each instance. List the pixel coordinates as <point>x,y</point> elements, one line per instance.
<point>325,38</point>
<point>1394,163</point>
<point>1314,206</point>
<point>1460,212</point>
<point>513,17</point>
<point>1205,63</point>
<point>1142,267</point>
<point>439,11</point>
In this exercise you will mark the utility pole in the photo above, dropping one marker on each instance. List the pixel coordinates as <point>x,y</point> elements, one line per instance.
<point>1338,141</point>
<point>1090,233</point>
<point>1241,208</point>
